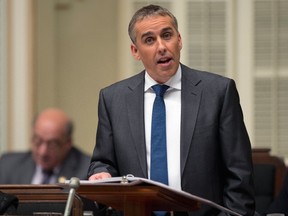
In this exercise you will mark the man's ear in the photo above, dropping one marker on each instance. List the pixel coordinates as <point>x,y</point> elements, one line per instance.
<point>180,41</point>
<point>135,52</point>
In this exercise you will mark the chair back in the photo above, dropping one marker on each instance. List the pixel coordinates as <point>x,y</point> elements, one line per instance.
<point>269,173</point>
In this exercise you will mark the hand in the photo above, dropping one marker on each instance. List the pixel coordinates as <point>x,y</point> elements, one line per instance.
<point>101,175</point>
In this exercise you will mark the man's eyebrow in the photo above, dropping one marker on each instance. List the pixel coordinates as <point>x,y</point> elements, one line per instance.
<point>146,34</point>
<point>149,33</point>
<point>167,29</point>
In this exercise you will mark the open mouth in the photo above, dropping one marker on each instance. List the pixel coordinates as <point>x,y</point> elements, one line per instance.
<point>164,60</point>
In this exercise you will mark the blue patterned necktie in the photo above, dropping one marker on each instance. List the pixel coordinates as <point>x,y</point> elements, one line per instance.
<point>158,169</point>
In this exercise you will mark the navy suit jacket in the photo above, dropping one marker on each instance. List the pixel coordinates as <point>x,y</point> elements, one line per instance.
<point>215,149</point>
<point>19,168</point>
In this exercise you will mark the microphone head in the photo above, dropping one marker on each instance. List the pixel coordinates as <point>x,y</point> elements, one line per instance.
<point>74,182</point>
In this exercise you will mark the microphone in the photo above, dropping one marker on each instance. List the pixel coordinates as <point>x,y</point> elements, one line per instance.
<point>74,183</point>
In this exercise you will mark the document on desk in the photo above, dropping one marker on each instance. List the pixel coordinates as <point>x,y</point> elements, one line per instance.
<point>130,180</point>
<point>121,179</point>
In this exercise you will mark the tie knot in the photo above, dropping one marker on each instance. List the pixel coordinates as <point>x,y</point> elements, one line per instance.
<point>160,89</point>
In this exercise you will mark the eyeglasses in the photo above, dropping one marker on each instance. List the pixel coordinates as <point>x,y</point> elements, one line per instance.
<point>51,144</point>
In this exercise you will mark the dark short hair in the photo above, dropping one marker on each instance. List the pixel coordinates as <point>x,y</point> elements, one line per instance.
<point>150,10</point>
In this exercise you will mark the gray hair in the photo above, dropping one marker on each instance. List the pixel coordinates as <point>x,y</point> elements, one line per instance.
<point>150,10</point>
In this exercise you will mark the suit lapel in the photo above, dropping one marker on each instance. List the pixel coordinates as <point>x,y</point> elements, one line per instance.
<point>27,171</point>
<point>135,108</point>
<point>190,100</point>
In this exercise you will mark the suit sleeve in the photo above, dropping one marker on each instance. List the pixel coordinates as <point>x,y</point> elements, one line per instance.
<point>236,155</point>
<point>103,158</point>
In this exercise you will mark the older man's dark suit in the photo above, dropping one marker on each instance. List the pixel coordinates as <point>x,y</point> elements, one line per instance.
<point>215,148</point>
<point>19,168</point>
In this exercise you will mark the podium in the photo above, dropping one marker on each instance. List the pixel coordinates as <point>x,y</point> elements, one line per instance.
<point>137,198</point>
<point>133,196</point>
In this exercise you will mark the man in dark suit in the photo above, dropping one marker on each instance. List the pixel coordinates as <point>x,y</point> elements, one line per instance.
<point>52,159</point>
<point>208,148</point>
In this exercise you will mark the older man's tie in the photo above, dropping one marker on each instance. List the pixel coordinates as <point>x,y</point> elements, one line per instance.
<point>47,175</point>
<point>158,169</point>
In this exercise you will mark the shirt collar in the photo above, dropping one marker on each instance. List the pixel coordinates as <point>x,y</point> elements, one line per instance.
<point>56,170</point>
<point>174,82</point>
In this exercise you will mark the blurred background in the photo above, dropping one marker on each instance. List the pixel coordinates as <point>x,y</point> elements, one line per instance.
<point>60,53</point>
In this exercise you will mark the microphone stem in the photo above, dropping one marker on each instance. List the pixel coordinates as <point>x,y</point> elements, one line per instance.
<point>69,202</point>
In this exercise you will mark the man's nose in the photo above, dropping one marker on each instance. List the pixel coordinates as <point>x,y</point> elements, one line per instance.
<point>161,46</point>
<point>43,148</point>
